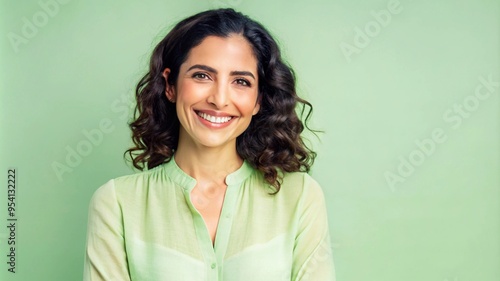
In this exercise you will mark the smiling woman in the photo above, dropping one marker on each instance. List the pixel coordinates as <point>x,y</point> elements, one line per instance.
<point>226,194</point>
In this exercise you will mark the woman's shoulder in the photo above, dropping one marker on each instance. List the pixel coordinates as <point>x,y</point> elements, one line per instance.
<point>301,184</point>
<point>301,180</point>
<point>141,176</point>
<point>131,183</point>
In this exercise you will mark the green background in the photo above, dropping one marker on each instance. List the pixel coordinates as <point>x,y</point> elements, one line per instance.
<point>376,96</point>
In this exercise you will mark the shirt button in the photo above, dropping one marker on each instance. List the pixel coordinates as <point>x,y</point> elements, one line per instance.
<point>228,216</point>
<point>213,265</point>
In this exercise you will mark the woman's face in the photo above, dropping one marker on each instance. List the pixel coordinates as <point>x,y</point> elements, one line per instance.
<point>216,93</point>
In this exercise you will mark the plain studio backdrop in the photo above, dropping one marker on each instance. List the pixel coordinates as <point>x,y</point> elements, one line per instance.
<point>407,93</point>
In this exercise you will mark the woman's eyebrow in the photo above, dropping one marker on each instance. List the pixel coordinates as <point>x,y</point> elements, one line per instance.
<point>242,73</point>
<point>203,67</point>
<point>213,70</point>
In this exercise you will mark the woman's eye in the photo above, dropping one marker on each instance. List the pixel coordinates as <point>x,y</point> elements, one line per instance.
<point>243,82</point>
<point>200,76</point>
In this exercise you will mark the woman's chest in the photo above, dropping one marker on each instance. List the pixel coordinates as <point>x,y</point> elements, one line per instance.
<point>269,261</point>
<point>208,201</point>
<point>255,239</point>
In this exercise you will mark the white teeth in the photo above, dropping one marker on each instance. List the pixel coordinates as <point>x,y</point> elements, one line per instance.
<point>213,119</point>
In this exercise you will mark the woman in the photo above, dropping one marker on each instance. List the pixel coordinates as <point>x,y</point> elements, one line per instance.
<point>226,195</point>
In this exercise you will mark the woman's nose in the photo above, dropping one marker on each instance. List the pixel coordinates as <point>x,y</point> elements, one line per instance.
<point>219,95</point>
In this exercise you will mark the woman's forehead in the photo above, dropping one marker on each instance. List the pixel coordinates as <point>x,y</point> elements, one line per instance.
<point>232,53</point>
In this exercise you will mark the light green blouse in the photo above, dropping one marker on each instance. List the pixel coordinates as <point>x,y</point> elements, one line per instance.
<point>144,227</point>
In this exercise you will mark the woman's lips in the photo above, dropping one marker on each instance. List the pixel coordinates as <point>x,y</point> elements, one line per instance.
<point>213,118</point>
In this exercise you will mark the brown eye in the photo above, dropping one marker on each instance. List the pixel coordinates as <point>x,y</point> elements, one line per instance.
<point>243,82</point>
<point>200,75</point>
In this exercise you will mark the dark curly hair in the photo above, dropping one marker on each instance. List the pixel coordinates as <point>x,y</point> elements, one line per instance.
<point>272,143</point>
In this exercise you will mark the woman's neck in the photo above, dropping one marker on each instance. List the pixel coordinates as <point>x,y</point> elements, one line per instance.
<point>203,163</point>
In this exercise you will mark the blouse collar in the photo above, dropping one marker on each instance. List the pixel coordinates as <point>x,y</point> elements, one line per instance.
<point>187,182</point>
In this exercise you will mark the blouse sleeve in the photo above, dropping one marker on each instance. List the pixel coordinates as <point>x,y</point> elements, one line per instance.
<point>105,257</point>
<point>312,255</point>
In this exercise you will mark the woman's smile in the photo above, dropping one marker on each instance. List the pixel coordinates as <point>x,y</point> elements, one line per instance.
<point>214,119</point>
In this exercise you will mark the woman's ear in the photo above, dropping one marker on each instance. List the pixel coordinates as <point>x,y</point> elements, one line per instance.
<point>169,89</point>
<point>257,105</point>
